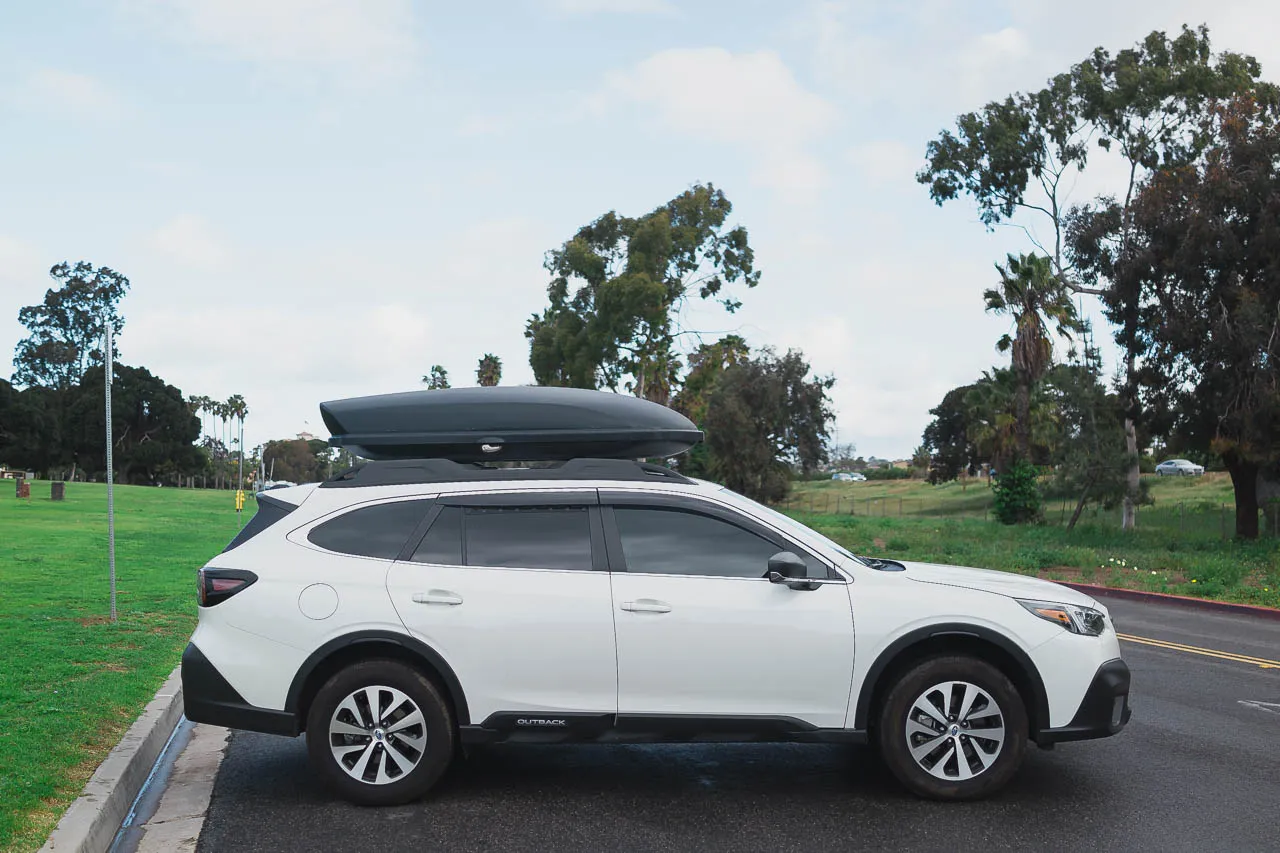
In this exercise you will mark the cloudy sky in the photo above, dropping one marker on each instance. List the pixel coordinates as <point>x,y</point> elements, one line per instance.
<point>321,198</point>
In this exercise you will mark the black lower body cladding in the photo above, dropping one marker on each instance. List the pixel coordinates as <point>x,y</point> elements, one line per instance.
<point>1103,712</point>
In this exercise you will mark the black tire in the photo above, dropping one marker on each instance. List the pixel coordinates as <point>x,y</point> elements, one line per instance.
<point>437,726</point>
<point>895,744</point>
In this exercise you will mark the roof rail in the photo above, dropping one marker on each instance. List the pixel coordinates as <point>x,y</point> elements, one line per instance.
<point>393,472</point>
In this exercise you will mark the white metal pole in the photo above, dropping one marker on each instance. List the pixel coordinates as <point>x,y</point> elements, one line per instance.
<point>111,503</point>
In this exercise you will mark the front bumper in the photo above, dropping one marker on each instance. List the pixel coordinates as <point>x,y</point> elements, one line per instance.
<point>1104,711</point>
<point>208,697</point>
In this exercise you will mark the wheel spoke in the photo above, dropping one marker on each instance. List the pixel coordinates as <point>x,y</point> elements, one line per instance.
<point>351,706</point>
<point>925,706</point>
<point>921,752</point>
<point>372,695</point>
<point>971,695</point>
<point>412,719</point>
<point>337,727</point>
<point>341,752</point>
<point>388,761</point>
<point>963,770</point>
<point>400,758</point>
<point>361,765</point>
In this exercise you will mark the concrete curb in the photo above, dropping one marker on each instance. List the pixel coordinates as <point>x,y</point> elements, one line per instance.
<point>1178,600</point>
<point>91,823</point>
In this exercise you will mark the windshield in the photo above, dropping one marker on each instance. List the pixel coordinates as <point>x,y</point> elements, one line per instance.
<point>789,523</point>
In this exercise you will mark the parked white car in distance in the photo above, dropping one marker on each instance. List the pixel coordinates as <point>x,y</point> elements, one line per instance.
<point>846,477</point>
<point>1179,468</point>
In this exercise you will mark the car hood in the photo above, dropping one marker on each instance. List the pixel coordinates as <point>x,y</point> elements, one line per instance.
<point>1001,583</point>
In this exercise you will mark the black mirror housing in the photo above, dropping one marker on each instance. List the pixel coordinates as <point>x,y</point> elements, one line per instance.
<point>788,565</point>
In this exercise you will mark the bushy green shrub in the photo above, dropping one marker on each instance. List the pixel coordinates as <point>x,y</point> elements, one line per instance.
<point>1017,494</point>
<point>888,473</point>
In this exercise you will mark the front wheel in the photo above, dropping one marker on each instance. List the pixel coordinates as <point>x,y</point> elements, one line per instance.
<point>953,728</point>
<point>380,733</point>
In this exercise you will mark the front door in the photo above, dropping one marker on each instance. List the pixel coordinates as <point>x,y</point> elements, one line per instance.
<point>701,630</point>
<point>511,590</point>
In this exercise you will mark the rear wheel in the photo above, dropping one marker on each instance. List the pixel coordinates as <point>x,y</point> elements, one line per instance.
<point>953,728</point>
<point>380,733</point>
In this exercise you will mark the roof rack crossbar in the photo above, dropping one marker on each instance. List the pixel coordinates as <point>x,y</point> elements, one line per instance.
<point>433,470</point>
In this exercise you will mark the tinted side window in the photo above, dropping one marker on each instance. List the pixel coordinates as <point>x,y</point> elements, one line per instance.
<point>443,542</point>
<point>672,542</point>
<point>373,531</point>
<point>528,537</point>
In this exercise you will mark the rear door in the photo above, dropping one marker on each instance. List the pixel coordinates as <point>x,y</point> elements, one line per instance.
<point>512,589</point>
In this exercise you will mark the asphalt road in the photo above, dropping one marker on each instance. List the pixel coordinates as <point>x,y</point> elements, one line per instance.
<point>1196,769</point>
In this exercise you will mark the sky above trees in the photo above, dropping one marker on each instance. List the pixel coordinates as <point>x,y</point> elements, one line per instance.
<point>323,200</point>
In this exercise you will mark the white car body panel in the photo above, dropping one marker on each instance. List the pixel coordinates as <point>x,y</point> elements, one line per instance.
<point>521,639</point>
<point>732,647</point>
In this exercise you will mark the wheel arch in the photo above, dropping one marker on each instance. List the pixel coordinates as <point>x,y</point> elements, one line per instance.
<point>339,652</point>
<point>953,638</point>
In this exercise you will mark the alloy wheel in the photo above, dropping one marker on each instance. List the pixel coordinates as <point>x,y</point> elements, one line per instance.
<point>955,730</point>
<point>377,735</point>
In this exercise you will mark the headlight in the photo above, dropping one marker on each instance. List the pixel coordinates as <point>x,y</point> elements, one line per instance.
<point>1073,617</point>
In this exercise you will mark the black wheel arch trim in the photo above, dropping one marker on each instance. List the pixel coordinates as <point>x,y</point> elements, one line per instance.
<point>410,644</point>
<point>1038,716</point>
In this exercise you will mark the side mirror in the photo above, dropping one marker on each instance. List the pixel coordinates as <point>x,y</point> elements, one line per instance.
<point>785,567</point>
<point>788,565</point>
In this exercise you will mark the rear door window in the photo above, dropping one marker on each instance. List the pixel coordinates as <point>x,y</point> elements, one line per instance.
<point>542,537</point>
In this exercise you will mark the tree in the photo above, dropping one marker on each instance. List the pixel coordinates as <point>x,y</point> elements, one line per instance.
<point>1035,299</point>
<point>1202,270</point>
<point>764,416</point>
<point>990,416</point>
<point>153,431</point>
<point>296,460</point>
<point>237,408</point>
<point>1089,455</point>
<point>946,438</point>
<point>67,327</point>
<point>1013,157</point>
<point>436,379</point>
<point>707,364</point>
<point>618,288</point>
<point>489,370</point>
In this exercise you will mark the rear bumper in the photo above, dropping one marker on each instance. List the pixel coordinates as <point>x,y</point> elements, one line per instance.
<point>208,697</point>
<point>1104,711</point>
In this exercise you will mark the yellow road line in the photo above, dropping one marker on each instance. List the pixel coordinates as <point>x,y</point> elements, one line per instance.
<point>1196,650</point>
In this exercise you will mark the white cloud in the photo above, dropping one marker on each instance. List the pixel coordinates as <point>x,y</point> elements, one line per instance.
<point>750,101</point>
<point>885,161</point>
<point>617,7</point>
<point>190,241</point>
<point>57,90</point>
<point>358,39</point>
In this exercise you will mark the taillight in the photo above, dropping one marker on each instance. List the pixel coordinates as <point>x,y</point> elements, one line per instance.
<point>214,586</point>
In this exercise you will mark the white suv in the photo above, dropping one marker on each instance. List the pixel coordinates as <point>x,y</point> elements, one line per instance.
<point>407,609</point>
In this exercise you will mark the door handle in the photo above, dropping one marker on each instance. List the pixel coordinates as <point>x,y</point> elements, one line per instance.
<point>437,596</point>
<point>646,605</point>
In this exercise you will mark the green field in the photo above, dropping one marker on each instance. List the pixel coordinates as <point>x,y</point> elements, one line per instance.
<point>1179,546</point>
<point>70,681</point>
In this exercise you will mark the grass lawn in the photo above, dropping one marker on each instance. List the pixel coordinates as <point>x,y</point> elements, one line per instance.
<point>70,681</point>
<point>1178,547</point>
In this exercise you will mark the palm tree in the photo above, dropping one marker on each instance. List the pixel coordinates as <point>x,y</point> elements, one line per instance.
<point>437,378</point>
<point>1035,299</point>
<point>238,408</point>
<point>489,371</point>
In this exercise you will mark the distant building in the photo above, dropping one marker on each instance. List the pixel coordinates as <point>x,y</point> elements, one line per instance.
<point>306,436</point>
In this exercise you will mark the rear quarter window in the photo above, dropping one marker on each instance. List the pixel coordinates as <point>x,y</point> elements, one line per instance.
<point>379,531</point>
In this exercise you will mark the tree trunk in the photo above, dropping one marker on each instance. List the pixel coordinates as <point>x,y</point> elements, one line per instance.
<point>1022,418</point>
<point>1084,495</point>
<point>1133,478</point>
<point>1244,482</point>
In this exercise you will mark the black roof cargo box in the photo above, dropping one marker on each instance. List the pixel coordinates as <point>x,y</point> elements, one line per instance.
<point>516,423</point>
